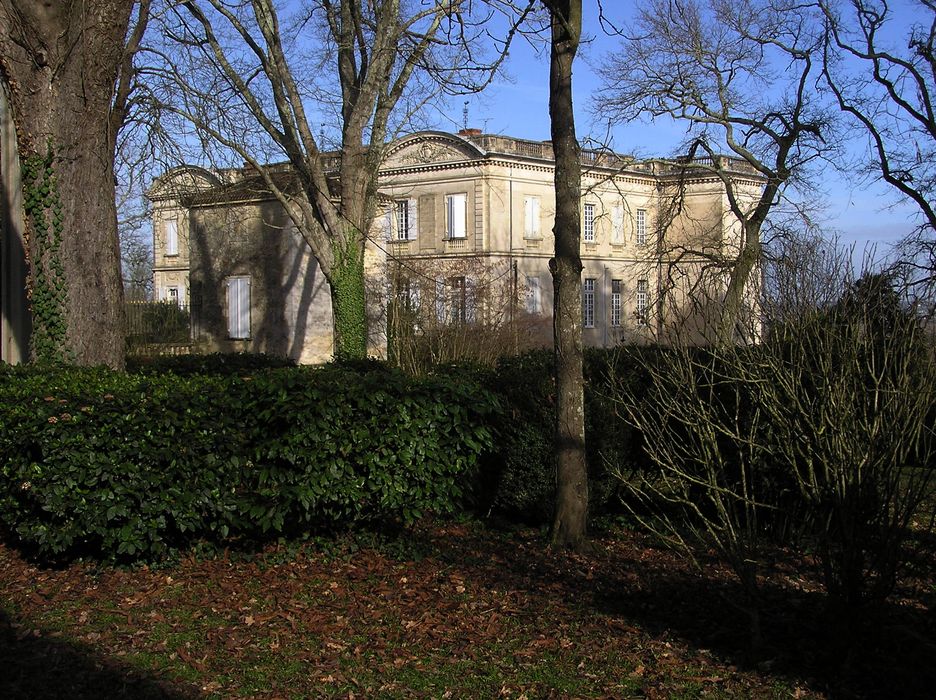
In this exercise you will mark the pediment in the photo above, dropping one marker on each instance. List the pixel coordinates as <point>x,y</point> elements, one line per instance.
<point>429,149</point>
<point>180,181</point>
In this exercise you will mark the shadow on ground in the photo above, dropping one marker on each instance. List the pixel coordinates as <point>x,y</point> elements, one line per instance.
<point>36,667</point>
<point>888,651</point>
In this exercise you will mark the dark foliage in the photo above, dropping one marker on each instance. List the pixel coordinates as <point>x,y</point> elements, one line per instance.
<point>132,467</point>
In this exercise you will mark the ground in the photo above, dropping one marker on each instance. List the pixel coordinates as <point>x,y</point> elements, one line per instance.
<point>446,610</point>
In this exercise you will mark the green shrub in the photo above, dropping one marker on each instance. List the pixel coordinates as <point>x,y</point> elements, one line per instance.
<point>213,363</point>
<point>519,477</point>
<point>131,467</point>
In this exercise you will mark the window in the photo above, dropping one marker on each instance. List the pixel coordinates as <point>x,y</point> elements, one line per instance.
<point>617,225</point>
<point>643,299</point>
<point>588,302</point>
<point>408,295</point>
<point>534,302</point>
<point>403,219</point>
<point>615,302</point>
<point>238,307</point>
<point>531,217</point>
<point>456,210</point>
<point>458,300</point>
<point>172,295</point>
<point>172,236</point>
<point>642,227</point>
<point>588,223</point>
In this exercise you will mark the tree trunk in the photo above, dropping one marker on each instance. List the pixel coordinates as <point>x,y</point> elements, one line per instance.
<point>349,306</point>
<point>61,60</point>
<point>735,324</point>
<point>571,475</point>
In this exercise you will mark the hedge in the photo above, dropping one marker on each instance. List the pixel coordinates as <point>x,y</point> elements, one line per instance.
<point>133,466</point>
<point>518,478</point>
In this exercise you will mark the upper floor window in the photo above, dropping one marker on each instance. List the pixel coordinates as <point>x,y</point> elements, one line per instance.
<point>171,230</point>
<point>615,302</point>
<point>456,215</point>
<point>641,227</point>
<point>588,223</point>
<point>404,220</point>
<point>588,302</point>
<point>531,217</point>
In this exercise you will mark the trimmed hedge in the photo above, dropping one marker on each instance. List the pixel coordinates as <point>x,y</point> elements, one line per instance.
<point>131,467</point>
<point>212,363</point>
<point>518,479</point>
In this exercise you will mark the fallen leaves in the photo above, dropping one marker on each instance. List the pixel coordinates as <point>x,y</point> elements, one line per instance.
<point>483,615</point>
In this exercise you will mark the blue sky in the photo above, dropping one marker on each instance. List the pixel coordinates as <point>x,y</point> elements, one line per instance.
<point>861,214</point>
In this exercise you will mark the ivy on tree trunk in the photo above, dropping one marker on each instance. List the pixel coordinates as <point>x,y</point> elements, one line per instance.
<point>60,61</point>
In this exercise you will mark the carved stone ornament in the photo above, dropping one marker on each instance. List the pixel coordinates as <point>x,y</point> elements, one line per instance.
<point>428,153</point>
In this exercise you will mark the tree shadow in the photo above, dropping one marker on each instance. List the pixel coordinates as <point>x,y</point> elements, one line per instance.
<point>36,666</point>
<point>886,651</point>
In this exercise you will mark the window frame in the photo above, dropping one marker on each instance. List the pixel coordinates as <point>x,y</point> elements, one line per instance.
<point>588,302</point>
<point>615,307</point>
<point>402,220</point>
<point>642,301</point>
<point>640,227</point>
<point>588,222</point>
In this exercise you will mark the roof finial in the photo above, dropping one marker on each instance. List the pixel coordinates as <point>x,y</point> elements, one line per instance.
<point>465,116</point>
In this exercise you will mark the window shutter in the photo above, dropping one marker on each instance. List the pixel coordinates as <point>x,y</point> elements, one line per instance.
<point>172,236</point>
<point>456,215</point>
<point>386,224</point>
<point>411,225</point>
<point>239,307</point>
<point>471,300</point>
<point>440,299</point>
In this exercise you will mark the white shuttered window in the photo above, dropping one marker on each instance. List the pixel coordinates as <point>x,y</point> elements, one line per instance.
<point>172,236</point>
<point>238,307</point>
<point>456,215</point>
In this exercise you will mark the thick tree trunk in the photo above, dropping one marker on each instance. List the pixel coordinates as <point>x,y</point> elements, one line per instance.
<point>571,475</point>
<point>349,308</point>
<point>61,60</point>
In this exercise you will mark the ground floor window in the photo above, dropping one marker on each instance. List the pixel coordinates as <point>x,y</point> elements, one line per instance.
<point>238,307</point>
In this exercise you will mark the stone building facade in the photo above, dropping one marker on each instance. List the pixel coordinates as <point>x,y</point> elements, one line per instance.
<point>460,212</point>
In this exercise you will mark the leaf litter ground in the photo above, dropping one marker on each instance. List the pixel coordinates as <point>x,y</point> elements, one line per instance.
<point>447,610</point>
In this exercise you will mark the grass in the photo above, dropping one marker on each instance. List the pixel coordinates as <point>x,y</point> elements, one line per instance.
<point>452,611</point>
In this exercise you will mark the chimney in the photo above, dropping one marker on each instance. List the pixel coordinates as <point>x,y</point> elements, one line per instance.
<point>469,133</point>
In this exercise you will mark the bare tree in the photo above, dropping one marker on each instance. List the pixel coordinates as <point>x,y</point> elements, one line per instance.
<point>255,81</point>
<point>889,90</point>
<point>791,441</point>
<point>64,64</point>
<point>740,74</point>
<point>571,514</point>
